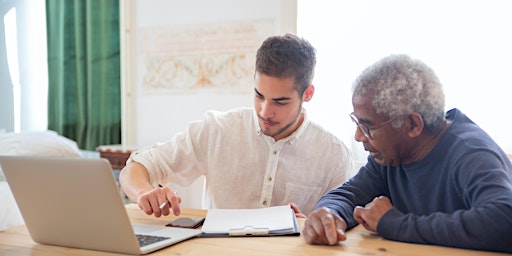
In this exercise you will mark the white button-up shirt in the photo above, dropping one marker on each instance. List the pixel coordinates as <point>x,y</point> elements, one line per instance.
<point>245,168</point>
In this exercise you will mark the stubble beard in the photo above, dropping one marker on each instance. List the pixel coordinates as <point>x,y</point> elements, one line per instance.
<point>268,132</point>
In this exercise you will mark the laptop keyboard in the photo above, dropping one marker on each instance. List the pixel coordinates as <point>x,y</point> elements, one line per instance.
<point>147,239</point>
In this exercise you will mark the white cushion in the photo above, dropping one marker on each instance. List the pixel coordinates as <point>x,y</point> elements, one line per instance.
<point>43,143</point>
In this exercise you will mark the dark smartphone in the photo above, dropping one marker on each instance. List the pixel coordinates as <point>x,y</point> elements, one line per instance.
<point>186,222</point>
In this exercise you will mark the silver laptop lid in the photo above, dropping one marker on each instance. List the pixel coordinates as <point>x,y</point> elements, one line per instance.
<point>75,202</point>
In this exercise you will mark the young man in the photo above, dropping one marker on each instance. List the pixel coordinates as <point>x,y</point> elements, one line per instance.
<point>251,158</point>
<point>431,178</point>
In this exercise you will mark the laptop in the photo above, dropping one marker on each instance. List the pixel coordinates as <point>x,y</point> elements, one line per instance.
<point>75,202</point>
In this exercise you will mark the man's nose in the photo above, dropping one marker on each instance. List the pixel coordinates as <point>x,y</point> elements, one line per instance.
<point>359,135</point>
<point>266,110</point>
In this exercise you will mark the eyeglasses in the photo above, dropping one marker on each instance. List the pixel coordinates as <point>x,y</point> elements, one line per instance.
<point>367,130</point>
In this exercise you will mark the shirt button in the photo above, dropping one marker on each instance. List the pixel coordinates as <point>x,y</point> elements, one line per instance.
<point>274,152</point>
<point>269,179</point>
<point>265,203</point>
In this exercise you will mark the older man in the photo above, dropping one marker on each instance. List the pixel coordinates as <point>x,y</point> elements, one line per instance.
<point>431,177</point>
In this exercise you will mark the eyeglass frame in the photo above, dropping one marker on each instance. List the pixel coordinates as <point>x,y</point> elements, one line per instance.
<point>366,129</point>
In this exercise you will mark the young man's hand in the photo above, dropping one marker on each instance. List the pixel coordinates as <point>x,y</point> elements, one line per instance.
<point>159,201</point>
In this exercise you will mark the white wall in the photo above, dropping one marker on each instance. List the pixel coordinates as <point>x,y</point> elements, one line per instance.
<point>156,117</point>
<point>160,116</point>
<point>28,67</point>
<point>467,43</point>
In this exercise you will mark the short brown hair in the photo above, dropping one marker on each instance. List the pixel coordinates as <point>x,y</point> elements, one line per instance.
<point>287,56</point>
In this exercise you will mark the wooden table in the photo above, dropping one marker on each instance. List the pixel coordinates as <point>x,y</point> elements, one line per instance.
<point>16,241</point>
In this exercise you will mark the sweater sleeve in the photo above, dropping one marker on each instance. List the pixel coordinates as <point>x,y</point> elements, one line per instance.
<point>484,180</point>
<point>359,190</point>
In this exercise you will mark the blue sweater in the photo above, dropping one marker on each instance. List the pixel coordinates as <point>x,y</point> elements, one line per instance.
<point>459,195</point>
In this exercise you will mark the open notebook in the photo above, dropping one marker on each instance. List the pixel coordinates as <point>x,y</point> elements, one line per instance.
<point>74,202</point>
<point>271,221</point>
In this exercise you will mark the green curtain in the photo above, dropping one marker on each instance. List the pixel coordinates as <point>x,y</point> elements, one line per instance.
<point>84,93</point>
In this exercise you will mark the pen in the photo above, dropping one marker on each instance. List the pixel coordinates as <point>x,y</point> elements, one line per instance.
<point>166,202</point>
<point>163,205</point>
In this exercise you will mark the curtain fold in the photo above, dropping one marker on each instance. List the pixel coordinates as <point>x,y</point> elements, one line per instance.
<point>84,93</point>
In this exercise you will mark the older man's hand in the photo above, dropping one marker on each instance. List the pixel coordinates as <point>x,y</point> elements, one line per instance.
<point>370,215</point>
<point>324,227</point>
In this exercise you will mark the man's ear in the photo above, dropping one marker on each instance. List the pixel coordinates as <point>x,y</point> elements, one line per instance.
<point>416,124</point>
<point>308,93</point>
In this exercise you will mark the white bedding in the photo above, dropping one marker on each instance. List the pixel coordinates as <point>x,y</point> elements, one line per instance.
<point>45,143</point>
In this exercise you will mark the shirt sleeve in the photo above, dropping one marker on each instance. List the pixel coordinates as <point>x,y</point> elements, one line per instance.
<point>344,168</point>
<point>180,160</point>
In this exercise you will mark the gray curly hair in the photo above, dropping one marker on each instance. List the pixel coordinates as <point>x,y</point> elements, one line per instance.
<point>401,85</point>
